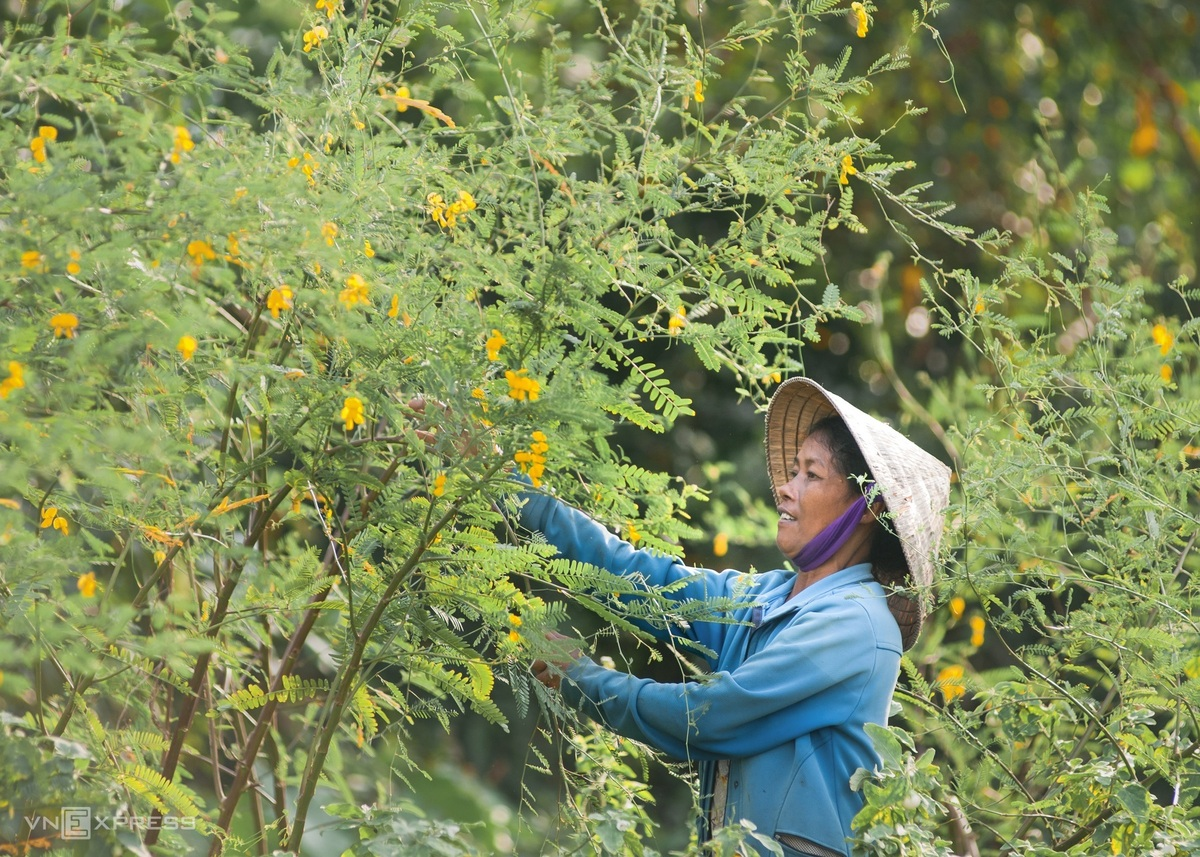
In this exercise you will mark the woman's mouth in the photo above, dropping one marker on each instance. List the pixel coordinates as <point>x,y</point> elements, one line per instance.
<point>784,516</point>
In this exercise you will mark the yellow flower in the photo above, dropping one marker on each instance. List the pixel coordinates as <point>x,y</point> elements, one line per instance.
<point>38,146</point>
<point>977,626</point>
<point>495,342</point>
<point>632,535</point>
<point>87,584</point>
<point>676,322</point>
<point>330,7</point>
<point>31,259</point>
<point>352,412</point>
<point>439,485</point>
<point>182,143</point>
<point>64,324</point>
<point>402,92</point>
<point>394,309</point>
<point>446,215</point>
<point>368,250</point>
<point>200,251</point>
<point>279,298</point>
<point>329,232</point>
<point>1161,336</point>
<point>950,682</point>
<point>860,15</point>
<point>514,637</point>
<point>532,461</point>
<point>698,91</point>
<point>515,620</point>
<point>521,387</point>
<point>51,518</point>
<point>15,379</point>
<point>355,292</point>
<point>314,37</point>
<point>720,545</point>
<point>73,266</point>
<point>848,170</point>
<point>186,346</point>
<point>958,606</point>
<point>48,132</point>
<point>1165,373</point>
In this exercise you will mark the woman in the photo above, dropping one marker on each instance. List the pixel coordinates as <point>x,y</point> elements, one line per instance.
<point>778,725</point>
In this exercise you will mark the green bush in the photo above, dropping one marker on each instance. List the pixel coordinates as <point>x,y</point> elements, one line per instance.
<point>234,558</point>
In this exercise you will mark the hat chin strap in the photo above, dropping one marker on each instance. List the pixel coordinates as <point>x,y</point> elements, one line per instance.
<point>831,539</point>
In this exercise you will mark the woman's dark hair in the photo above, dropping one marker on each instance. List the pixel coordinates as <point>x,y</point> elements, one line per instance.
<point>888,564</point>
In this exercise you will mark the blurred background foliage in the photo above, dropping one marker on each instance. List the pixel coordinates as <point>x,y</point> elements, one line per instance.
<point>1006,110</point>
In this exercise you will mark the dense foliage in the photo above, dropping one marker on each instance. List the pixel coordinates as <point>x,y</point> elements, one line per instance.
<point>240,566</point>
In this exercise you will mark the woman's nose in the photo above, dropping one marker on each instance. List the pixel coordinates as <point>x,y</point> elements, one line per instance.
<point>787,491</point>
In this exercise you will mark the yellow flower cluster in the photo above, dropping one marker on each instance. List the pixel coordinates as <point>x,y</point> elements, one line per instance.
<point>521,387</point>
<point>329,231</point>
<point>848,170</point>
<point>533,460</point>
<point>352,414</point>
<point>15,379</point>
<point>860,16</point>
<point>676,322</point>
<point>51,518</point>
<point>978,624</point>
<point>32,260</point>
<point>45,134</point>
<point>515,621</point>
<point>439,485</point>
<point>720,545</point>
<point>950,682</point>
<point>698,91</point>
<point>446,215</point>
<point>331,7</point>
<point>1165,340</point>
<point>495,342</point>
<point>73,267</point>
<point>87,584</point>
<point>307,164</point>
<point>186,346</point>
<point>182,143</point>
<point>279,298</point>
<point>314,37</point>
<point>355,292</point>
<point>200,251</point>
<point>64,324</point>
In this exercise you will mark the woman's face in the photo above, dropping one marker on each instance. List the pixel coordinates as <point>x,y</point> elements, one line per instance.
<point>816,495</point>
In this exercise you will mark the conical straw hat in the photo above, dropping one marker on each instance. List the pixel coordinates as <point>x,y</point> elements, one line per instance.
<point>915,485</point>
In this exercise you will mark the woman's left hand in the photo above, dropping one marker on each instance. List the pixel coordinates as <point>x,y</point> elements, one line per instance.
<point>550,673</point>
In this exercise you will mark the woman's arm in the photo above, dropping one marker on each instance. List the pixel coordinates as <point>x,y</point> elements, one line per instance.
<point>580,538</point>
<point>812,675</point>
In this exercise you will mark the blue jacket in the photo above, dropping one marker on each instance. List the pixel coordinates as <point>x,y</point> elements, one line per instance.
<point>789,691</point>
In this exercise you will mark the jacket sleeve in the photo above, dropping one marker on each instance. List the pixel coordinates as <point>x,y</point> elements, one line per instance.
<point>580,538</point>
<point>812,675</point>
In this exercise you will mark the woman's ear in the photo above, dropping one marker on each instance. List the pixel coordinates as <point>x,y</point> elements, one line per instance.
<point>874,512</point>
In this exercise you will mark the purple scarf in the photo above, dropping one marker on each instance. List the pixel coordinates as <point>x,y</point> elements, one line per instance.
<point>830,540</point>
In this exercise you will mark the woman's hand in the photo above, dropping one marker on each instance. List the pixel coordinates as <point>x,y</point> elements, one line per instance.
<point>465,445</point>
<point>550,673</point>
